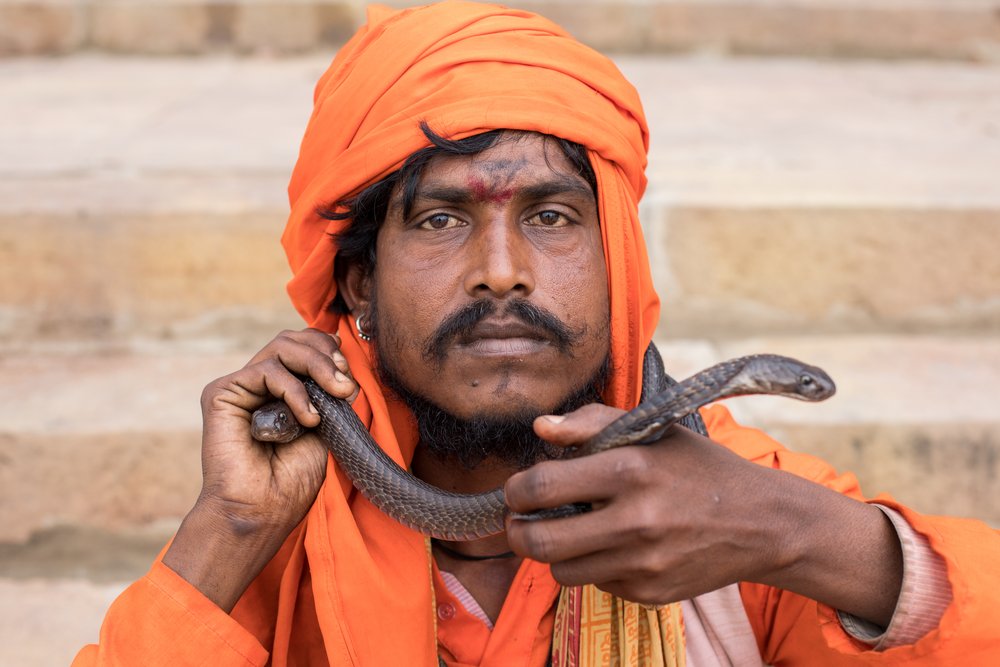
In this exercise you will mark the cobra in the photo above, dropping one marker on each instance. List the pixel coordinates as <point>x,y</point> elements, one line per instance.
<point>458,517</point>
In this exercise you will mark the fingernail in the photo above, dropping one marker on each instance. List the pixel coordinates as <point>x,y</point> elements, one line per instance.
<point>312,409</point>
<point>341,377</point>
<point>555,419</point>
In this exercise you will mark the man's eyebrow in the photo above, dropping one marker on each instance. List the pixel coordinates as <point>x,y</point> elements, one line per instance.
<point>560,186</point>
<point>445,194</point>
<point>464,195</point>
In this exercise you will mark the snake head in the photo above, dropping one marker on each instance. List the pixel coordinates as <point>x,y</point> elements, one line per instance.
<point>783,376</point>
<point>274,422</point>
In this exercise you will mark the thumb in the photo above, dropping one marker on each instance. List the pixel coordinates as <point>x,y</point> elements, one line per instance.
<point>575,427</point>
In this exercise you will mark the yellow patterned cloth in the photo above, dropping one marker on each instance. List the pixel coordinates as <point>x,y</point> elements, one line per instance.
<point>596,628</point>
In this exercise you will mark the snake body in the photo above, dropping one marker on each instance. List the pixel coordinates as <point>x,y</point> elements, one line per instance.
<point>461,517</point>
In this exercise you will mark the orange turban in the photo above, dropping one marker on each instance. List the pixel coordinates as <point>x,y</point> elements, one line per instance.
<point>464,69</point>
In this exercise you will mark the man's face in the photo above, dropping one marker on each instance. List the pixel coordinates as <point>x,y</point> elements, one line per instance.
<point>491,297</point>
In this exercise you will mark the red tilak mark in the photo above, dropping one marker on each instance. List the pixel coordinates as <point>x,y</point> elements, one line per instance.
<point>485,193</point>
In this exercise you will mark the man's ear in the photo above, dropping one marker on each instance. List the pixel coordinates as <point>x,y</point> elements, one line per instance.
<point>354,284</point>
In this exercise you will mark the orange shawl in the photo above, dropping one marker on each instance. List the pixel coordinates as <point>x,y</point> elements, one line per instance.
<point>464,69</point>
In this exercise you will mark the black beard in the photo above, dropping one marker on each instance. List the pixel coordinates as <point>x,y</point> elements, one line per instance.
<point>507,440</point>
<point>501,441</point>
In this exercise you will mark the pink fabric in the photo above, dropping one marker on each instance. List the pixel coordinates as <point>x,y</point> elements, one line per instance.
<point>923,598</point>
<point>463,595</point>
<point>717,632</point>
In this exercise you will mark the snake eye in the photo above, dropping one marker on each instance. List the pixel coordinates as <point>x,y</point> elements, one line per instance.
<point>806,380</point>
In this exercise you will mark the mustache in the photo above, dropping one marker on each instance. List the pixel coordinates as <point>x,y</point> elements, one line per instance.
<point>464,320</point>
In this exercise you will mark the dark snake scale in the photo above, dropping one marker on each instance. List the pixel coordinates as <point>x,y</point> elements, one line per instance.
<point>457,517</point>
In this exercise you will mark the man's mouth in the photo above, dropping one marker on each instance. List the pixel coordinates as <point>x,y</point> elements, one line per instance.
<point>519,328</point>
<point>503,338</point>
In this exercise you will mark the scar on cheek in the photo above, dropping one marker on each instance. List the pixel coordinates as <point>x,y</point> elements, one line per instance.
<point>483,192</point>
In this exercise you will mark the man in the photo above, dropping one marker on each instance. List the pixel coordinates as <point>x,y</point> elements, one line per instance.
<point>467,253</point>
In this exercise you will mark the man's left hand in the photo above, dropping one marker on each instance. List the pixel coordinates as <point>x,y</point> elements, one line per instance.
<point>685,516</point>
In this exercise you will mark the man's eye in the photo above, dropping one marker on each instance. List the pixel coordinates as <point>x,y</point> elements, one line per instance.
<point>440,221</point>
<point>549,219</point>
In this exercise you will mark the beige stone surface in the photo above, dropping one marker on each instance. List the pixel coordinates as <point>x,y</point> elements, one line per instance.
<point>56,589</point>
<point>96,555</point>
<point>906,380</point>
<point>899,29</point>
<point>285,28</point>
<point>40,27</point>
<point>621,27</point>
<point>110,481</point>
<point>947,29</point>
<point>101,440</point>
<point>730,272</point>
<point>784,195</point>
<point>755,133</point>
<point>184,276</point>
<point>951,469</point>
<point>749,131</point>
<point>913,416</point>
<point>127,26</point>
<point>45,623</point>
<point>147,276</point>
<point>276,27</point>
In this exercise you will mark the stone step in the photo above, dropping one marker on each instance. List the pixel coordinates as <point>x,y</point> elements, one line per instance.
<point>950,29</point>
<point>100,456</point>
<point>111,442</point>
<point>139,203</point>
<point>45,622</point>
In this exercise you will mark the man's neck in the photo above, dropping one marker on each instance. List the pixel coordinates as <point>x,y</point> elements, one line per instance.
<point>452,476</point>
<point>489,579</point>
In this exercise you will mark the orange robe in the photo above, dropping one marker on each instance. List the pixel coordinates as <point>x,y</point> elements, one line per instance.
<point>350,586</point>
<point>163,620</point>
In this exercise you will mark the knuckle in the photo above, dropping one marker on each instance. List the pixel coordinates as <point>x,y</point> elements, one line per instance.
<point>538,544</point>
<point>646,523</point>
<point>632,592</point>
<point>340,361</point>
<point>650,563</point>
<point>631,466</point>
<point>566,574</point>
<point>320,339</point>
<point>213,389</point>
<point>590,411</point>
<point>271,366</point>
<point>208,393</point>
<point>595,416</point>
<point>643,597</point>
<point>540,486</point>
<point>640,592</point>
<point>321,360</point>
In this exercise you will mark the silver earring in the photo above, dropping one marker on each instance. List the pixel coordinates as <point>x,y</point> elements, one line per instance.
<point>361,332</point>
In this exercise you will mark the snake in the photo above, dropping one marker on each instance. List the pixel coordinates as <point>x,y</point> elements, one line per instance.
<point>450,516</point>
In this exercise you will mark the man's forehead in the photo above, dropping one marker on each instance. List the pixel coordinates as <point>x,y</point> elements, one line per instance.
<point>499,168</point>
<point>515,164</point>
<point>518,165</point>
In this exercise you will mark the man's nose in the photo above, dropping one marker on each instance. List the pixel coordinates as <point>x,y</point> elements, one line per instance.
<point>499,261</point>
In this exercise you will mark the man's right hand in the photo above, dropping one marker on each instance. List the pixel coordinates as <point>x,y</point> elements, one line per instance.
<point>253,493</point>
